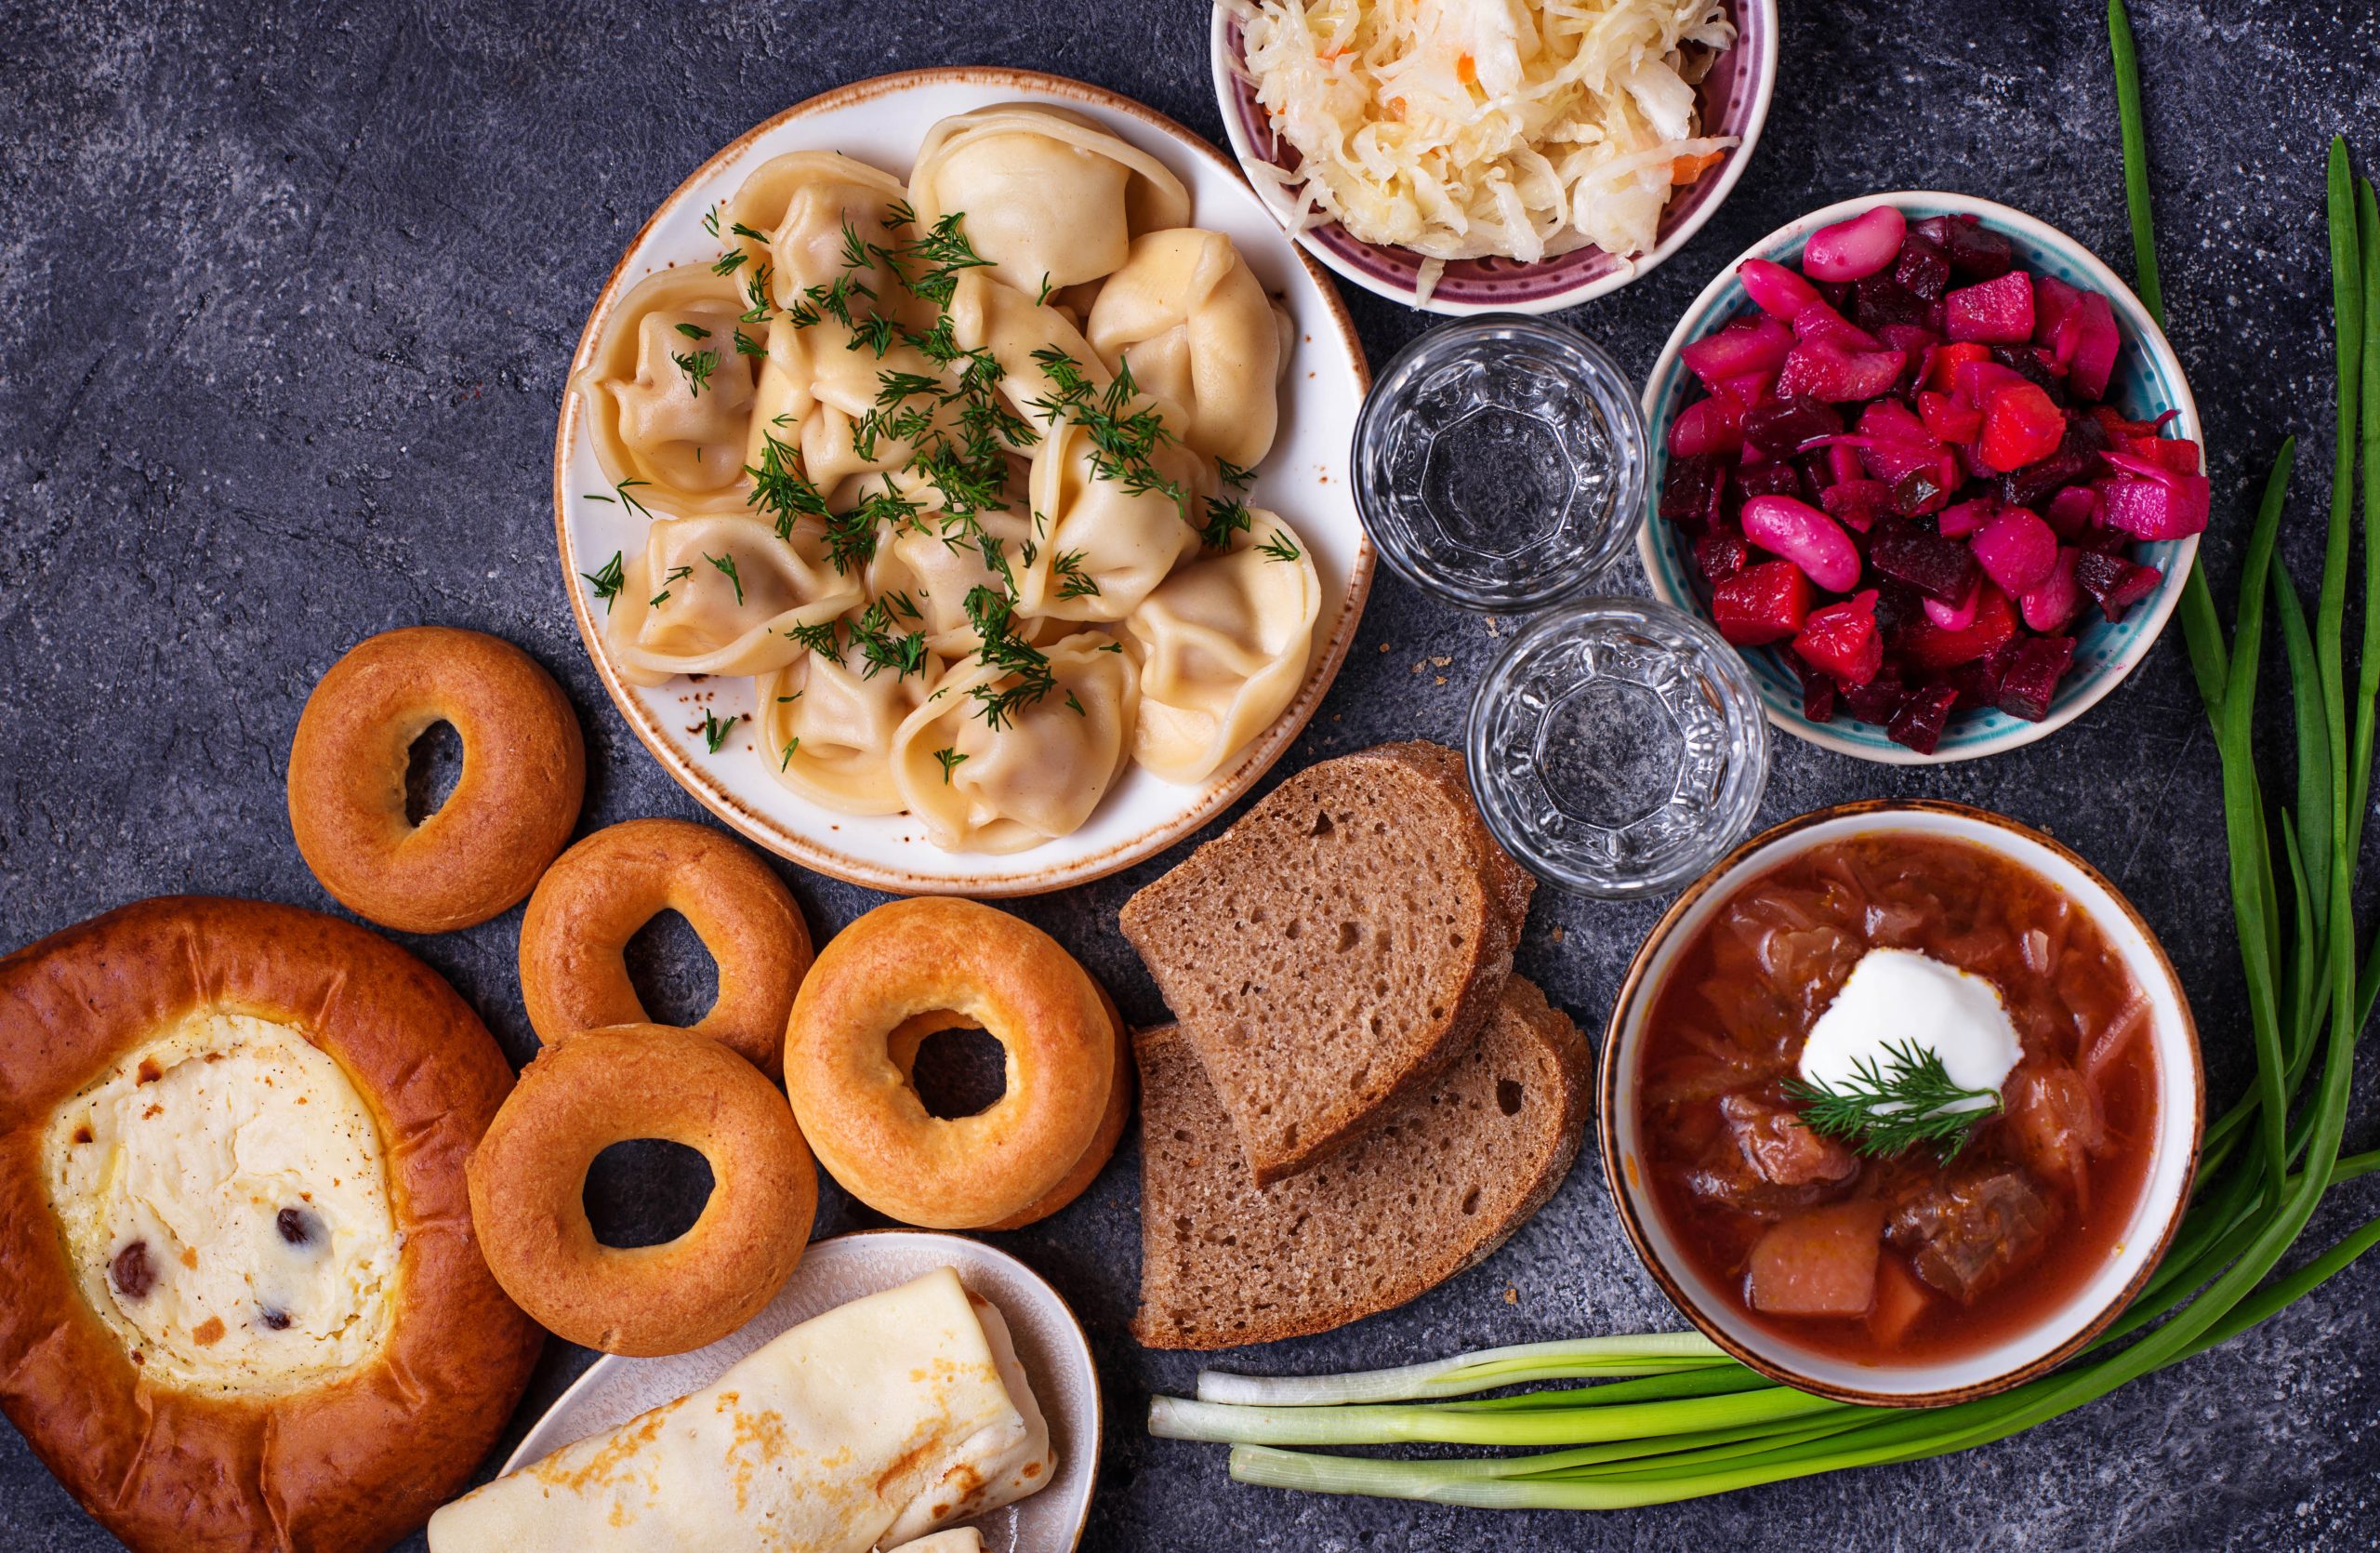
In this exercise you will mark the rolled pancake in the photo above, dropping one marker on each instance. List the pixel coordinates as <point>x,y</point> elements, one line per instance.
<point>959,1539</point>
<point>869,1426</point>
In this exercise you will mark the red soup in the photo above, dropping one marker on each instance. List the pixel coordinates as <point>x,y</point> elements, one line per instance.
<point>1903,1258</point>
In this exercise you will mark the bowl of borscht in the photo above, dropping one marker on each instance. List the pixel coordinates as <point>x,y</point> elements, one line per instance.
<point>1901,1103</point>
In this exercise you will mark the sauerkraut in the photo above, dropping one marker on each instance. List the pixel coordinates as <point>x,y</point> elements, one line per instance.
<point>1464,128</point>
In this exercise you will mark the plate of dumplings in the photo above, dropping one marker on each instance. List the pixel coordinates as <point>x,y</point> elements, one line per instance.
<point>952,484</point>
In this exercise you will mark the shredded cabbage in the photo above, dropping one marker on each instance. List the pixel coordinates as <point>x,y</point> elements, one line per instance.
<point>1462,128</point>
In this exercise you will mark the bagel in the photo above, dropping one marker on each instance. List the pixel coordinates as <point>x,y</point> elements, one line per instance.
<point>911,968</point>
<point>601,1087</point>
<point>525,773</point>
<point>293,1343</point>
<point>599,892</point>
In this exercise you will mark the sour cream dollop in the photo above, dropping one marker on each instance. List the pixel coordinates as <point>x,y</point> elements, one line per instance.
<point>1897,997</point>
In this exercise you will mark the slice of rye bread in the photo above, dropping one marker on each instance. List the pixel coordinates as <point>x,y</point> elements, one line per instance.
<point>1439,1183</point>
<point>1335,947</point>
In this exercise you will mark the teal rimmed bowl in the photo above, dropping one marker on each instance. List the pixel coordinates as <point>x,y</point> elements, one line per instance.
<point>2147,382</point>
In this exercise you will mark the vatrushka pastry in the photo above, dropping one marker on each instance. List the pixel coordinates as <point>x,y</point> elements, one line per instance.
<point>241,1304</point>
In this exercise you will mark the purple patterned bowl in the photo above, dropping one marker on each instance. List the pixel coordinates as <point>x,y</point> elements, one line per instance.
<point>1735,102</point>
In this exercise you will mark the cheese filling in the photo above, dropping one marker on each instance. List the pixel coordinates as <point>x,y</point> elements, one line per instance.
<point>224,1198</point>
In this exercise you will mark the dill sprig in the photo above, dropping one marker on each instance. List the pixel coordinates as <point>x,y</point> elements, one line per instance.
<point>1280,547</point>
<point>1226,517</point>
<point>632,503</point>
<point>780,489</point>
<point>1886,1107</point>
<point>1074,582</point>
<point>820,639</point>
<point>940,254</point>
<point>609,579</point>
<point>883,647</point>
<point>697,365</point>
<point>715,731</point>
<point>677,575</point>
<point>1025,673</point>
<point>1124,435</point>
<point>791,746</point>
<point>725,563</point>
<point>950,758</point>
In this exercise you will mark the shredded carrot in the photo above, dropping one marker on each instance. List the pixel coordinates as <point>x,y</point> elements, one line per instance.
<point>1397,109</point>
<point>1466,69</point>
<point>1685,169</point>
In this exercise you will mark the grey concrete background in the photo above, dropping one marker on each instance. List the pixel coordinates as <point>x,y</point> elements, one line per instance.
<point>285,298</point>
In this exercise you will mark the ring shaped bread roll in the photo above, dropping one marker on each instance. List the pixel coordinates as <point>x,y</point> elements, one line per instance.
<point>529,1176</point>
<point>591,902</point>
<point>524,772</point>
<point>948,957</point>
<point>241,1305</point>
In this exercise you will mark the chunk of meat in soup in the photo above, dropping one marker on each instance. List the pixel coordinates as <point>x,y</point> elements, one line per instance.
<point>2054,1123</point>
<point>1783,1151</point>
<point>1819,1263</point>
<point>1965,1233</point>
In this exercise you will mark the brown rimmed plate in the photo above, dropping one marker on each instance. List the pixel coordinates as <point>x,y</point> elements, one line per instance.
<point>1305,478</point>
<point>2180,1115</point>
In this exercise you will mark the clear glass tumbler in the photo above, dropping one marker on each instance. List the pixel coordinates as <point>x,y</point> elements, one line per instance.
<point>1618,748</point>
<point>1500,462</point>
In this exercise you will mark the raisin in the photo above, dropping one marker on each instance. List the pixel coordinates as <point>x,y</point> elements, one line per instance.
<point>277,1321</point>
<point>297,1227</point>
<point>131,1272</point>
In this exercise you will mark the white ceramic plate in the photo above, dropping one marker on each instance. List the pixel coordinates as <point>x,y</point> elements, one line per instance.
<point>1306,478</point>
<point>1050,1343</point>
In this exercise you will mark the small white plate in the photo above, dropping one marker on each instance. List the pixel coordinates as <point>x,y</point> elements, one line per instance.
<point>1305,478</point>
<point>1050,1343</point>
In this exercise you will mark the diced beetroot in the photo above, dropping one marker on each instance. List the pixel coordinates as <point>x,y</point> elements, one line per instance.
<point>2050,603</point>
<point>1941,371</point>
<point>1922,267</point>
<point>1996,312</point>
<point>1929,647</point>
<point>1921,718</point>
<point>1955,616</point>
<point>1957,523</point>
<point>1762,604</point>
<point>2099,539</point>
<point>2071,510</point>
<point>1856,504</point>
<point>2116,583</point>
<point>1748,387</point>
<point>1821,1263</point>
<point>1843,464</point>
<point>1690,490</point>
<point>1827,371</point>
<point>1821,322</point>
<point>1924,490</point>
<point>1974,381</point>
<point>1713,425</point>
<point>1853,249</point>
<point>1842,639</point>
<point>1881,302</point>
<point>2027,361</point>
<point>1947,418</point>
<point>1807,537</point>
<point>1746,345</point>
<point>2029,681</point>
<point>1977,682</point>
<point>1818,691</point>
<point>1939,569</point>
<point>2173,507</point>
<point>1781,425</point>
<point>1976,252</point>
<point>2016,549</point>
<point>2177,455</point>
<point>2055,304</point>
<point>2077,459</point>
<point>1779,478</point>
<point>2020,426</point>
<point>1913,340</point>
<point>1877,701</point>
<point>2097,341</point>
<point>1775,289</point>
<point>1720,554</point>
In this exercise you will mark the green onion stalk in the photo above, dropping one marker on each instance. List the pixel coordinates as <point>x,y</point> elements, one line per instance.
<point>1669,1417</point>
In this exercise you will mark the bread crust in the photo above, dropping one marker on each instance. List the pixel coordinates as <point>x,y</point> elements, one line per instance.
<point>1573,1062</point>
<point>524,773</point>
<point>936,954</point>
<point>599,892</point>
<point>1502,888</point>
<point>528,1179</point>
<point>353,1464</point>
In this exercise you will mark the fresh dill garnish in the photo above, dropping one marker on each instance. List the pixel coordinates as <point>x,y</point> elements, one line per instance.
<point>742,231</point>
<point>899,602</point>
<point>883,647</point>
<point>791,746</point>
<point>715,731</point>
<point>784,700</point>
<point>1234,475</point>
<point>1280,547</point>
<point>1886,1107</point>
<point>1077,705</point>
<point>710,219</point>
<point>950,758</point>
<point>941,253</point>
<point>698,365</point>
<point>1025,673</point>
<point>1073,582</point>
<point>1124,436</point>
<point>677,575</point>
<point>780,489</point>
<point>746,346</point>
<point>899,217</point>
<point>726,263</point>
<point>1041,298</point>
<point>756,288</point>
<point>632,503</point>
<point>1111,647</point>
<point>1226,517</point>
<point>726,566</point>
<point>693,331</point>
<point>609,580</point>
<point>820,639</point>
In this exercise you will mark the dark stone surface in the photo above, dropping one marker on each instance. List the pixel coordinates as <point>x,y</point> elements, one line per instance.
<point>286,297</point>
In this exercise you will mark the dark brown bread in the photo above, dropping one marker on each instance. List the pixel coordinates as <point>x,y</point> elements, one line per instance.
<point>1440,1183</point>
<point>1331,950</point>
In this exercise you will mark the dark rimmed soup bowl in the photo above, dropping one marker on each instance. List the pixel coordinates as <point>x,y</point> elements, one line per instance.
<point>1977,1271</point>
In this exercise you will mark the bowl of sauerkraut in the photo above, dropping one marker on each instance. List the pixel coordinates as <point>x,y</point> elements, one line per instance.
<point>1470,156</point>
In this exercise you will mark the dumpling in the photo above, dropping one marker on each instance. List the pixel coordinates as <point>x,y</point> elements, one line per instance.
<point>845,385</point>
<point>1037,776</point>
<point>827,727</point>
<point>1106,546</point>
<point>802,203</point>
<point>1189,315</point>
<point>717,595</point>
<point>935,561</point>
<point>987,315</point>
<point>1047,197</point>
<point>1221,647</point>
<point>668,397</point>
